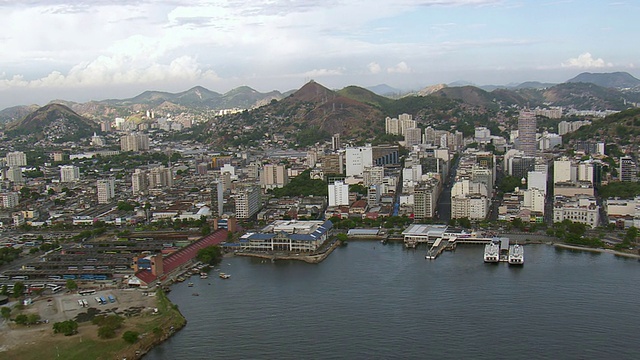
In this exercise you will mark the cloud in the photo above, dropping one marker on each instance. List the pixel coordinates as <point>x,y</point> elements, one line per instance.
<point>323,72</point>
<point>116,70</point>
<point>400,68</point>
<point>586,61</point>
<point>374,67</point>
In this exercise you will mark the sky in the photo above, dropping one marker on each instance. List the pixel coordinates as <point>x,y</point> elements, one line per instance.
<point>83,50</point>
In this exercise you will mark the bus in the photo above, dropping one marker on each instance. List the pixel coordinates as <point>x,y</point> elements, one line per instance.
<point>103,301</point>
<point>55,289</point>
<point>20,277</point>
<point>97,299</point>
<point>86,292</point>
<point>111,298</point>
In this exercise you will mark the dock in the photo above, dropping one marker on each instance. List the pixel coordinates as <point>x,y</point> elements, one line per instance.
<point>436,249</point>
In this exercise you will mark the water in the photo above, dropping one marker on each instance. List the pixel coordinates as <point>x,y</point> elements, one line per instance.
<point>374,301</point>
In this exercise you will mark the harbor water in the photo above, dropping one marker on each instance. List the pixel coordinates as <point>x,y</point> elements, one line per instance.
<point>374,301</point>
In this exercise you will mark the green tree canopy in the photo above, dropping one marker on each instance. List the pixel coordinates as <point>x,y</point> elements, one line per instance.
<point>210,255</point>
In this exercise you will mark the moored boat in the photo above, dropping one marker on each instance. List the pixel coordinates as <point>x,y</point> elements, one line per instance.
<point>224,276</point>
<point>516,255</point>
<point>492,252</point>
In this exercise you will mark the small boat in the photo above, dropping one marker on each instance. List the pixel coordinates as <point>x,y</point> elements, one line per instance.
<point>203,275</point>
<point>224,276</point>
<point>190,284</point>
<point>195,294</point>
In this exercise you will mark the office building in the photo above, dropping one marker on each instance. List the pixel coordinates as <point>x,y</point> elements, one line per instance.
<point>627,171</point>
<point>217,199</point>
<point>527,133</point>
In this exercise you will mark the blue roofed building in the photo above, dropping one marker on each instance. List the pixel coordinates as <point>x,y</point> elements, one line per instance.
<point>288,235</point>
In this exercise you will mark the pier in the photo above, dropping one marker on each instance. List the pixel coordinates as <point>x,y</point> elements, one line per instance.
<point>439,246</point>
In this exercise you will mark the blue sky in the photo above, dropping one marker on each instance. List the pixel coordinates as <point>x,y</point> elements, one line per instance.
<point>96,49</point>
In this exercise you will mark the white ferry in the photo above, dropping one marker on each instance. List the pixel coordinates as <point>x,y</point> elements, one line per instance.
<point>516,255</point>
<point>492,252</point>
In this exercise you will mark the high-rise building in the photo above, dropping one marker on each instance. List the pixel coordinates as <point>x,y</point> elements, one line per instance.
<point>69,173</point>
<point>425,197</point>
<point>335,142</point>
<point>333,164</point>
<point>14,174</point>
<point>273,176</point>
<point>627,170</point>
<point>106,190</point>
<point>217,199</point>
<point>338,194</point>
<point>160,177</point>
<point>9,200</point>
<point>16,158</point>
<point>413,136</point>
<point>357,159</point>
<point>247,202</point>
<point>134,142</point>
<point>139,181</point>
<point>527,132</point>
<point>372,175</point>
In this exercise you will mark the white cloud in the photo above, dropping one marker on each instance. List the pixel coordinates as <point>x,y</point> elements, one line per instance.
<point>323,72</point>
<point>400,68</point>
<point>117,70</point>
<point>374,67</point>
<point>586,61</point>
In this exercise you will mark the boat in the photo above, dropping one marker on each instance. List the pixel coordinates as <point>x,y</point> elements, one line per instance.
<point>224,276</point>
<point>516,255</point>
<point>492,252</point>
<point>190,284</point>
<point>195,294</point>
<point>203,275</point>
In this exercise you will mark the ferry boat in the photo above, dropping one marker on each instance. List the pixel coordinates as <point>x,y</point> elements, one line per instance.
<point>516,255</point>
<point>492,252</point>
<point>224,276</point>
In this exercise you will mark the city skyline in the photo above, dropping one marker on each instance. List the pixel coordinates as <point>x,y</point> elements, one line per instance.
<point>94,50</point>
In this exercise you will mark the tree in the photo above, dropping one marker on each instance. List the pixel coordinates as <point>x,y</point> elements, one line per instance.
<point>210,255</point>
<point>130,336</point>
<point>67,328</point>
<point>106,332</point>
<point>343,238</point>
<point>18,289</point>
<point>4,290</point>
<point>72,285</point>
<point>21,319</point>
<point>5,312</point>
<point>33,318</point>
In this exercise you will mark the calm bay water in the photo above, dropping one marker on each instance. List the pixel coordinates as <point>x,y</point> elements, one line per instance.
<point>374,301</point>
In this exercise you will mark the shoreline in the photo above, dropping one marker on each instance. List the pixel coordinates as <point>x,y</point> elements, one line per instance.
<point>597,250</point>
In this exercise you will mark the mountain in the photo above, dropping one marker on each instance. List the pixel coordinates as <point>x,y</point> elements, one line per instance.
<point>584,96</point>
<point>430,89</point>
<point>460,83</point>
<point>53,122</point>
<point>15,113</point>
<point>617,128</point>
<point>365,96</point>
<point>617,80</point>
<point>384,89</point>
<point>533,85</point>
